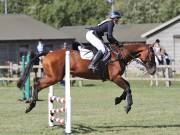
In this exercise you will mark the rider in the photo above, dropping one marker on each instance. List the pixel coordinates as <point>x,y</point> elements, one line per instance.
<point>95,34</point>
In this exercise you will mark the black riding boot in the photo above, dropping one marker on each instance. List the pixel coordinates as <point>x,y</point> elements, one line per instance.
<point>95,60</point>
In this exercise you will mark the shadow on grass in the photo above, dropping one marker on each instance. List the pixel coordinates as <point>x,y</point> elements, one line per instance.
<point>27,101</point>
<point>84,85</point>
<point>139,126</point>
<point>79,128</point>
<point>89,85</point>
<point>85,129</point>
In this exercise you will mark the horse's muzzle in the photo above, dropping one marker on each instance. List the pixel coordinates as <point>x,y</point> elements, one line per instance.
<point>152,70</point>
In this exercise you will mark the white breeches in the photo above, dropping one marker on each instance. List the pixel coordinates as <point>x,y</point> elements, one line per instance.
<point>95,41</point>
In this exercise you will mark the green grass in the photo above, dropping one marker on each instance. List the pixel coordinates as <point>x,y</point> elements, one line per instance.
<point>156,111</point>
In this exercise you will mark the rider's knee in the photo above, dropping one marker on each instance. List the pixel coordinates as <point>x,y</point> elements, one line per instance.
<point>102,49</point>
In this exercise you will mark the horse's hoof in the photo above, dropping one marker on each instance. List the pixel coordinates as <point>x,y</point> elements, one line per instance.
<point>32,104</point>
<point>28,101</point>
<point>19,84</point>
<point>127,109</point>
<point>117,100</point>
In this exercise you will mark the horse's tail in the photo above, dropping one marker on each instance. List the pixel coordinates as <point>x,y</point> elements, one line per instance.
<point>28,68</point>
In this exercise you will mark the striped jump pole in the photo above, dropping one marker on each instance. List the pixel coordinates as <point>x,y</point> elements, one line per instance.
<point>52,111</point>
<point>65,101</point>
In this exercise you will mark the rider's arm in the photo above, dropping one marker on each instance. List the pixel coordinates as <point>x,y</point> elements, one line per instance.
<point>110,37</point>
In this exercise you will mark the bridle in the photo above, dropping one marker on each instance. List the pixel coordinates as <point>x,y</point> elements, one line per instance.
<point>118,56</point>
<point>150,52</point>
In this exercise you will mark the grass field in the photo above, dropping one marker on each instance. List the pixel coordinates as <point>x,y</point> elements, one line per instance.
<point>156,111</point>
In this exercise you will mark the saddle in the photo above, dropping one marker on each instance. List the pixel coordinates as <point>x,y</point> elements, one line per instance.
<point>88,52</point>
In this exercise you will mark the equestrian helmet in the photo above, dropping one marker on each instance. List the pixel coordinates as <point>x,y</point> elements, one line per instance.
<point>115,14</point>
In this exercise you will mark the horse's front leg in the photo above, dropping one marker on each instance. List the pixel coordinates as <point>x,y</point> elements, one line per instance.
<point>126,94</point>
<point>120,98</point>
<point>129,100</point>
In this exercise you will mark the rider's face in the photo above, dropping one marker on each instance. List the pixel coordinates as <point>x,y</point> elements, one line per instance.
<point>116,20</point>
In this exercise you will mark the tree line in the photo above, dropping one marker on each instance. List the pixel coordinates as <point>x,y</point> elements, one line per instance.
<point>58,13</point>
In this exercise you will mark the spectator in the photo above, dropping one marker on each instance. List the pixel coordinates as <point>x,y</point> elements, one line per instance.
<point>40,47</point>
<point>62,83</point>
<point>157,46</point>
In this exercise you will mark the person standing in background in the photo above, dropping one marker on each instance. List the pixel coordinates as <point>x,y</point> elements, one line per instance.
<point>40,49</point>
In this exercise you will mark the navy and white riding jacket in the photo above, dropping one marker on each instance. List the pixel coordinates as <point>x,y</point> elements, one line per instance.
<point>105,27</point>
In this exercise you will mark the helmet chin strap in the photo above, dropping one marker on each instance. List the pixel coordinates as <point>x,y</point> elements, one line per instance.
<point>116,21</point>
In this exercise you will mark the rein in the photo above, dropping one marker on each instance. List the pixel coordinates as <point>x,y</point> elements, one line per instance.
<point>119,57</point>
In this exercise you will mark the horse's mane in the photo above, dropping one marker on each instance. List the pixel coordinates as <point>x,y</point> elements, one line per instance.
<point>134,43</point>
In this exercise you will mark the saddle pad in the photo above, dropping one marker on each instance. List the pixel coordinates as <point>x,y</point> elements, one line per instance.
<point>88,54</point>
<point>85,53</point>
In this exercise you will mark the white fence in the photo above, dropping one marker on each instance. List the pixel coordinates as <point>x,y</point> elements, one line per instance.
<point>135,73</point>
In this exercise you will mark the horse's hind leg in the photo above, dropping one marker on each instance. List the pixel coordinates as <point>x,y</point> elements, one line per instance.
<point>39,85</point>
<point>47,80</point>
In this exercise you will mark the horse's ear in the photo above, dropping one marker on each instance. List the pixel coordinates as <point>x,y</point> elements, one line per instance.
<point>157,41</point>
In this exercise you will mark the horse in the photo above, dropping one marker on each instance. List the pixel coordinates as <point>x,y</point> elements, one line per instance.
<point>54,69</point>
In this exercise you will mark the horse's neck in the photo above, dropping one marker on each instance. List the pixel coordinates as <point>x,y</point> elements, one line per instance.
<point>132,52</point>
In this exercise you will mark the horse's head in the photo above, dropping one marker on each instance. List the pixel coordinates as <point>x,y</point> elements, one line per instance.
<point>144,52</point>
<point>147,56</point>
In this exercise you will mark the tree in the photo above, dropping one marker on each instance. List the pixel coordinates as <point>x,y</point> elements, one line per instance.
<point>150,11</point>
<point>60,13</point>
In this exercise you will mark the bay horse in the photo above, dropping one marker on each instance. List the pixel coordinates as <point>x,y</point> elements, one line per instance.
<point>54,69</point>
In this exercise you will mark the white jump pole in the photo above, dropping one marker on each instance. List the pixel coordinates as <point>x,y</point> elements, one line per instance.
<point>67,100</point>
<point>67,94</point>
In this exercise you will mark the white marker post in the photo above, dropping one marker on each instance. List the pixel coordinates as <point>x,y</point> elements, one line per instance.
<point>67,94</point>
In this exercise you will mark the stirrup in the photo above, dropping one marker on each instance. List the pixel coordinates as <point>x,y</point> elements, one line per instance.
<point>93,68</point>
